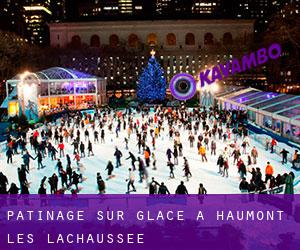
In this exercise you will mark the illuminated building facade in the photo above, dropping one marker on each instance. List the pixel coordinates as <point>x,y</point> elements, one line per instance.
<point>181,46</point>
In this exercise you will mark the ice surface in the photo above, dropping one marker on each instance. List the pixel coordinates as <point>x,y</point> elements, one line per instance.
<point>205,173</point>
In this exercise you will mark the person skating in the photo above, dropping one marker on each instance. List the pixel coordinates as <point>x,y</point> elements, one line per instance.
<point>163,189</point>
<point>9,154</point>
<point>90,149</point>
<point>171,166</point>
<point>254,155</point>
<point>220,163</point>
<point>186,169</point>
<point>181,189</point>
<point>102,136</point>
<point>22,175</point>
<point>42,189</point>
<point>101,184</point>
<point>13,189</point>
<point>109,169</point>
<point>153,187</point>
<point>175,155</point>
<point>130,181</point>
<point>3,183</point>
<point>241,169</point>
<point>39,158</point>
<point>202,152</point>
<point>64,178</point>
<point>295,158</point>
<point>236,155</point>
<point>61,147</point>
<point>244,186</point>
<point>213,146</point>
<point>75,180</point>
<point>26,159</point>
<point>53,152</point>
<point>289,183</point>
<point>202,189</point>
<point>169,154</point>
<point>118,154</point>
<point>141,169</point>
<point>284,154</point>
<point>147,157</point>
<point>82,150</point>
<point>133,160</point>
<point>269,171</point>
<point>273,144</point>
<point>96,136</point>
<point>126,143</point>
<point>86,135</point>
<point>53,181</point>
<point>153,161</point>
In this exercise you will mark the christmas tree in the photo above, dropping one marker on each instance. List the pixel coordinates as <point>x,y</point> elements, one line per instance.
<point>152,83</point>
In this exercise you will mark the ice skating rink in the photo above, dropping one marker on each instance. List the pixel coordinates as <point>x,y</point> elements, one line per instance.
<point>202,172</point>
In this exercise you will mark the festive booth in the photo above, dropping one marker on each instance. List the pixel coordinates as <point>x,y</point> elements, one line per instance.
<point>51,91</point>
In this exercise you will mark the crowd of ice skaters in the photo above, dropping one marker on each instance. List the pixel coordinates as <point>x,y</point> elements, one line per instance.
<point>206,128</point>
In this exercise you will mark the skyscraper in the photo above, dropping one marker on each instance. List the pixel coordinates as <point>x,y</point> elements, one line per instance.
<point>125,6</point>
<point>12,16</point>
<point>37,14</point>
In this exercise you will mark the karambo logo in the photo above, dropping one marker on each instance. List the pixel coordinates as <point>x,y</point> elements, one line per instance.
<point>183,86</point>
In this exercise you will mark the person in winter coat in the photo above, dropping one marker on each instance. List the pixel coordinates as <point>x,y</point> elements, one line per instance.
<point>244,186</point>
<point>130,181</point>
<point>213,146</point>
<point>289,183</point>
<point>175,154</point>
<point>75,180</point>
<point>220,163</point>
<point>42,189</point>
<point>109,169</point>
<point>90,149</point>
<point>118,154</point>
<point>82,148</point>
<point>154,161</point>
<point>202,189</point>
<point>171,166</point>
<point>284,154</point>
<point>141,169</point>
<point>9,154</point>
<point>254,155</point>
<point>133,160</point>
<point>269,171</point>
<point>202,152</point>
<point>53,181</point>
<point>258,178</point>
<point>153,187</point>
<point>181,189</point>
<point>236,155</point>
<point>169,154</point>
<point>295,158</point>
<point>3,183</point>
<point>26,159</point>
<point>242,169</point>
<point>101,184</point>
<point>226,167</point>
<point>273,144</point>
<point>39,158</point>
<point>64,178</point>
<point>163,189</point>
<point>13,189</point>
<point>186,169</point>
<point>61,147</point>
<point>147,158</point>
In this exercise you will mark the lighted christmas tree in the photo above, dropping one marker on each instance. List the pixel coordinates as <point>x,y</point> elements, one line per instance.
<point>152,82</point>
